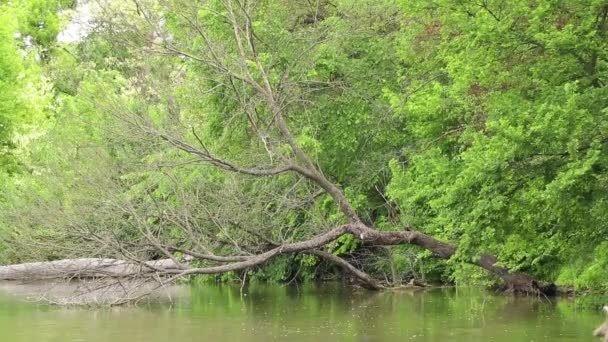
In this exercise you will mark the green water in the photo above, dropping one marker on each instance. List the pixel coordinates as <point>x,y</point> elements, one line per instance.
<point>309,313</point>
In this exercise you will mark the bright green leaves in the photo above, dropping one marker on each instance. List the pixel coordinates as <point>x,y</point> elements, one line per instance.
<point>526,163</point>
<point>23,98</point>
<point>41,22</point>
<point>345,244</point>
<point>11,69</point>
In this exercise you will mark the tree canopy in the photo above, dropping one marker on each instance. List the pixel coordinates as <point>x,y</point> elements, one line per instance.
<point>394,139</point>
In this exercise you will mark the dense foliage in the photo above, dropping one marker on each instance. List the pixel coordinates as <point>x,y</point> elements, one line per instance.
<point>483,124</point>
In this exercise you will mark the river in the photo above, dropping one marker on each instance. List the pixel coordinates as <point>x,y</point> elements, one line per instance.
<point>327,312</point>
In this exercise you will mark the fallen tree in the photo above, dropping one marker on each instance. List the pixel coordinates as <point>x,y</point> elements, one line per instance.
<point>516,282</point>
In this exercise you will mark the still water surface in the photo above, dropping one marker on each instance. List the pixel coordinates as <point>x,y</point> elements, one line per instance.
<point>305,313</point>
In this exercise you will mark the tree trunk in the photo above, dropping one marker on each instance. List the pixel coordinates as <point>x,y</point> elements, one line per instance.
<point>84,268</point>
<point>514,282</point>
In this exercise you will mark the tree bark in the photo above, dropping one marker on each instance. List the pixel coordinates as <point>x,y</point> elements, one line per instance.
<point>84,268</point>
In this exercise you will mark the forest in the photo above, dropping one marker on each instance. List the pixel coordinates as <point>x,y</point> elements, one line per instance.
<point>378,143</point>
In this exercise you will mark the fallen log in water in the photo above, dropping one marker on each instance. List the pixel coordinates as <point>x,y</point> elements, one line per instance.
<point>85,268</point>
<point>94,292</point>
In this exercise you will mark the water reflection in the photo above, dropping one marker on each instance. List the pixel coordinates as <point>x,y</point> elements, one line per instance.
<point>327,312</point>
